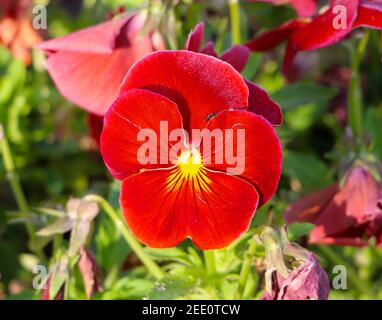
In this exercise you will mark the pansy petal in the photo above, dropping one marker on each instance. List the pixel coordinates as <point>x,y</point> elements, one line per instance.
<point>308,37</point>
<point>199,84</point>
<point>95,125</point>
<point>91,79</point>
<point>305,8</point>
<point>369,15</point>
<point>338,241</point>
<point>209,49</point>
<point>307,208</point>
<point>260,103</point>
<point>273,38</point>
<point>247,146</point>
<point>195,38</point>
<point>237,56</point>
<point>163,207</point>
<point>101,38</point>
<point>138,112</point>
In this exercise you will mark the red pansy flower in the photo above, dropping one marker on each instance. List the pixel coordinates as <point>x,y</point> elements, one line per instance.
<point>16,31</point>
<point>304,8</point>
<point>88,66</point>
<point>165,203</point>
<point>328,28</point>
<point>344,215</point>
<point>259,101</point>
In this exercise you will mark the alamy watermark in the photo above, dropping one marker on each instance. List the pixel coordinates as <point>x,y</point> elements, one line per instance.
<point>40,17</point>
<point>216,147</point>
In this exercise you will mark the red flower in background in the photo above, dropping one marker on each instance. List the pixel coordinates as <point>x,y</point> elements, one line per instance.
<point>321,31</point>
<point>16,31</point>
<point>344,215</point>
<point>304,8</point>
<point>88,66</point>
<point>164,204</point>
<point>259,101</point>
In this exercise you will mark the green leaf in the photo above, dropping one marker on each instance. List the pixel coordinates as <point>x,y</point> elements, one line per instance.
<point>297,230</point>
<point>373,127</point>
<point>127,288</point>
<point>171,288</point>
<point>60,276</point>
<point>301,94</point>
<point>170,254</point>
<point>311,172</point>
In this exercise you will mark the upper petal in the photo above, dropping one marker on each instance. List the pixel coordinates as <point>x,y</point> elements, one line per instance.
<point>137,111</point>
<point>195,38</point>
<point>237,56</point>
<point>199,84</point>
<point>256,158</point>
<point>162,207</point>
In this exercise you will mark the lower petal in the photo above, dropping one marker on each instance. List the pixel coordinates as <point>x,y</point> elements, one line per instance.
<point>163,207</point>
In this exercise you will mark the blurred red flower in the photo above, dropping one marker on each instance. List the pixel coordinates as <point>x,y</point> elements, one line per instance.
<point>88,66</point>
<point>344,215</point>
<point>304,8</point>
<point>328,28</point>
<point>259,101</point>
<point>16,31</point>
<point>165,203</point>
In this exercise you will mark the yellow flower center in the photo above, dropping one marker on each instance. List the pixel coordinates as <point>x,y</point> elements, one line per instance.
<point>189,173</point>
<point>189,162</point>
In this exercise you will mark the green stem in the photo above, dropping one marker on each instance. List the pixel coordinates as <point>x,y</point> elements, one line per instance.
<point>353,276</point>
<point>209,258</point>
<point>234,11</point>
<point>246,269</point>
<point>14,180</point>
<point>152,267</point>
<point>355,108</point>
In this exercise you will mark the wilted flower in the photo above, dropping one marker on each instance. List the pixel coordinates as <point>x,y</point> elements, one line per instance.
<point>90,272</point>
<point>77,219</point>
<point>350,214</point>
<point>165,203</point>
<point>328,28</point>
<point>16,31</point>
<point>237,56</point>
<point>293,273</point>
